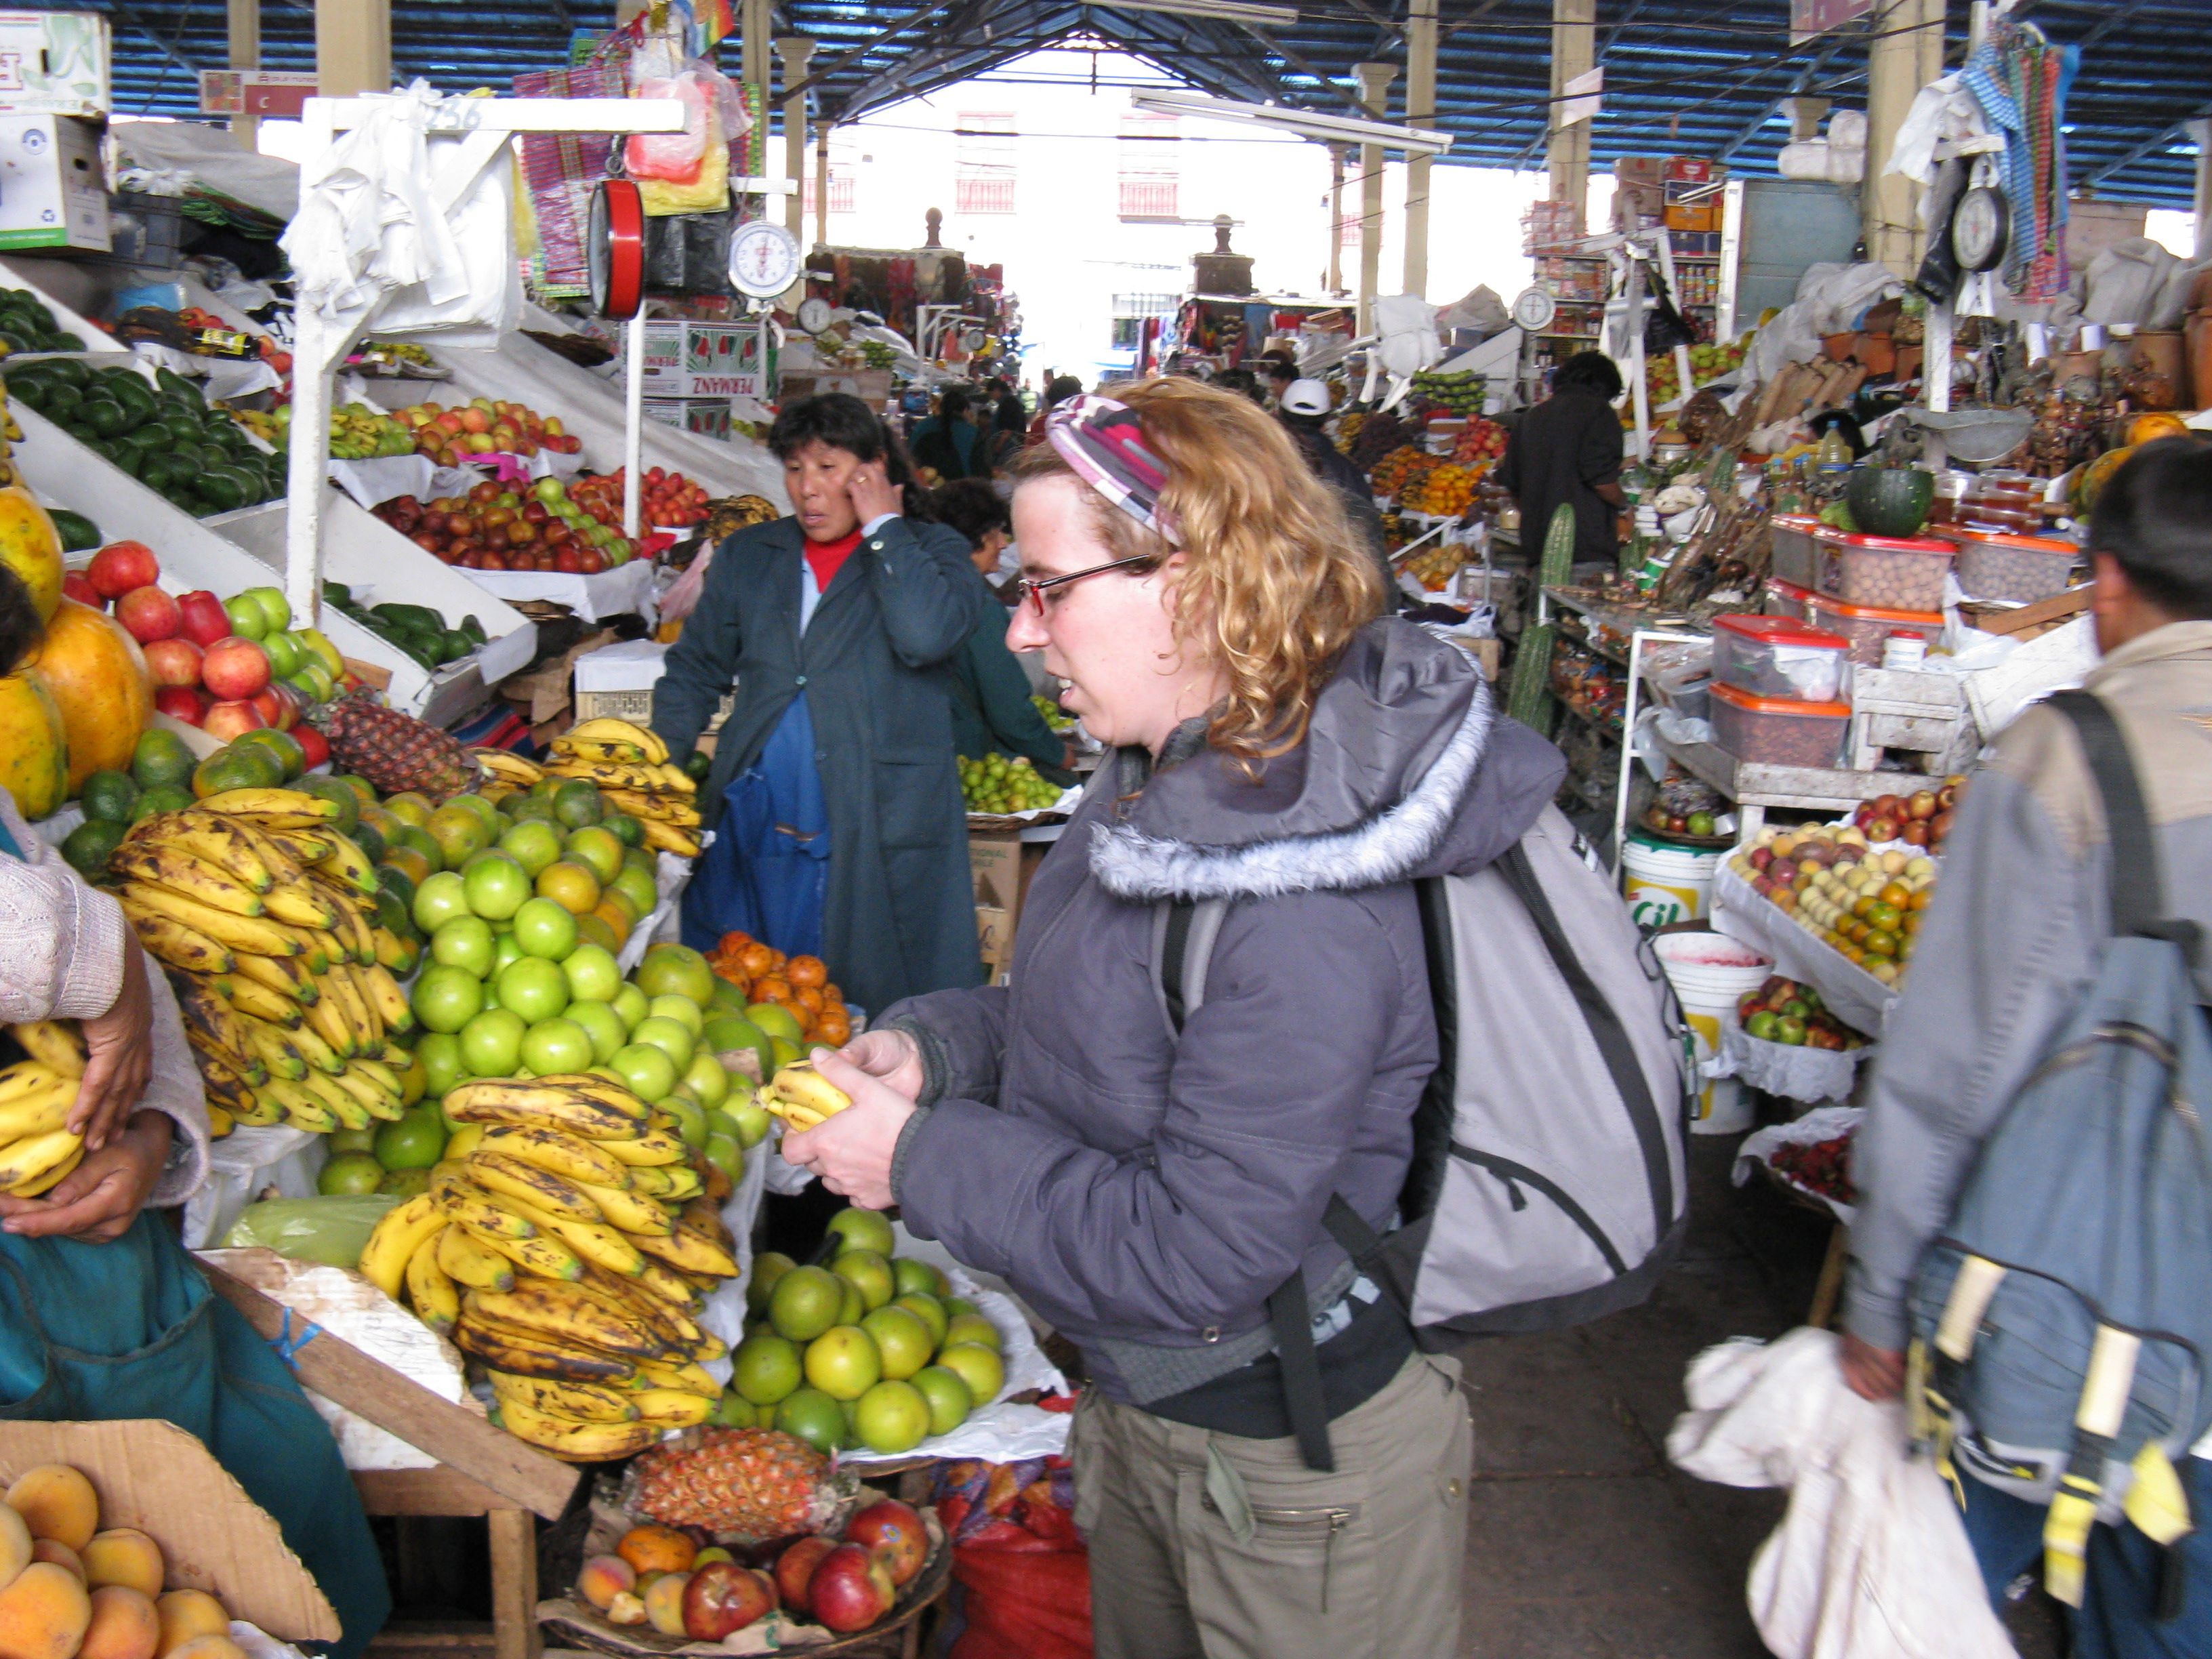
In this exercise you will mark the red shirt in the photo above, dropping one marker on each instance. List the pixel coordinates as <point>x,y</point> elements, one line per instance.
<point>828,558</point>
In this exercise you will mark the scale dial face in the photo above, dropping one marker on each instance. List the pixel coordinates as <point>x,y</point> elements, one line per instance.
<point>1979,227</point>
<point>763,259</point>
<point>814,313</point>
<point>1533,310</point>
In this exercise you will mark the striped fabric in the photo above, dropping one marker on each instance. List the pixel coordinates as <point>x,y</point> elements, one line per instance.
<point>1104,442</point>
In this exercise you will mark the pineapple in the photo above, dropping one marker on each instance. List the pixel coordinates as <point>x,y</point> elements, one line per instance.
<point>396,751</point>
<point>749,1484</point>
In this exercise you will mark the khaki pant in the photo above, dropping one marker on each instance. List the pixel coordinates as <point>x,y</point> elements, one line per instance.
<point>1364,1561</point>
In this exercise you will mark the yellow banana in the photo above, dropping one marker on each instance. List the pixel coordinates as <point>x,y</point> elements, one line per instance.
<point>575,1442</point>
<point>169,867</point>
<point>620,753</point>
<point>594,1241</point>
<point>350,927</point>
<point>606,729</point>
<point>372,1097</point>
<point>505,763</point>
<point>547,1102</point>
<point>26,1077</point>
<point>676,778</point>
<point>676,1181</point>
<point>689,1378</point>
<point>385,1077</point>
<point>276,1051</point>
<point>315,948</point>
<point>631,1211</point>
<point>654,1146</point>
<point>300,904</point>
<point>286,975</point>
<point>709,1346</point>
<point>314,1048</point>
<point>436,1303</point>
<point>498,1173</point>
<point>799,1085</point>
<point>668,1285</point>
<point>211,839</point>
<point>577,1402</point>
<point>671,1408</point>
<point>52,1175</point>
<point>363,1029</point>
<point>280,864</point>
<point>56,1044</point>
<point>306,846</point>
<point>260,935</point>
<point>561,1312</point>
<point>382,994</point>
<point>528,1354</point>
<point>565,1155</point>
<point>466,1261</point>
<point>689,1252</point>
<point>274,809</point>
<point>547,1258</point>
<point>464,1202</point>
<point>172,945</point>
<point>322,1087</point>
<point>394,1240</point>
<point>251,997</point>
<point>667,838</point>
<point>675,1324</point>
<point>394,953</point>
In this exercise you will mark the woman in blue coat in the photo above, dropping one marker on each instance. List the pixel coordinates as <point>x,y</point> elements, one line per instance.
<point>839,827</point>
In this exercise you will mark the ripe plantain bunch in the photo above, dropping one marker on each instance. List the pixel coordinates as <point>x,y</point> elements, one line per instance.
<point>36,1148</point>
<point>630,765</point>
<point>801,1096</point>
<point>264,915</point>
<point>566,1245</point>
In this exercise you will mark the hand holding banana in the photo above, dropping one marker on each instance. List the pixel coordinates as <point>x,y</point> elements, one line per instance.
<point>849,1145</point>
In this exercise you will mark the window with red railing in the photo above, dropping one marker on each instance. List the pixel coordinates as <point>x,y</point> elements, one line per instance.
<point>983,174</point>
<point>1150,166</point>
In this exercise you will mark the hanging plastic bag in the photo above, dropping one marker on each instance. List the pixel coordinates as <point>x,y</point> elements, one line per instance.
<point>688,172</point>
<point>674,156</point>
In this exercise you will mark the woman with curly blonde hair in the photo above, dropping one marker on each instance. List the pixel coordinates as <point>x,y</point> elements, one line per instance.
<point>1148,1163</point>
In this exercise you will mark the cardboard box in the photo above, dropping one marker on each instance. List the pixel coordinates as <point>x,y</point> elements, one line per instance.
<point>707,416</point>
<point>1698,218</point>
<point>1001,864</point>
<point>53,187</point>
<point>708,360</point>
<point>154,1476</point>
<point>55,62</point>
<point>1693,169</point>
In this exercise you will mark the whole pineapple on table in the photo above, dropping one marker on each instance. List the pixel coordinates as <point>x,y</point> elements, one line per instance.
<point>397,753</point>
<point>566,1245</point>
<point>751,1486</point>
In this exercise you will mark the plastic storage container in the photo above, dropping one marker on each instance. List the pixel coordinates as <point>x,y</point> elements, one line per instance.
<point>1868,626</point>
<point>1779,657</point>
<point>1895,573</point>
<point>1995,564</point>
<point>2008,500</point>
<point>1793,559</point>
<point>1778,730</point>
<point>1666,885</point>
<point>1789,599</point>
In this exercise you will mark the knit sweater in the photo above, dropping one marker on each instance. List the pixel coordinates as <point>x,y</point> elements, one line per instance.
<point>61,957</point>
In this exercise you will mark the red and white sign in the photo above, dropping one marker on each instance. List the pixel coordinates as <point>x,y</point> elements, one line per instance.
<point>1810,17</point>
<point>255,92</point>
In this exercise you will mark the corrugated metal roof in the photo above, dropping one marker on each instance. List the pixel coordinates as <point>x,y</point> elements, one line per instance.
<point>1682,77</point>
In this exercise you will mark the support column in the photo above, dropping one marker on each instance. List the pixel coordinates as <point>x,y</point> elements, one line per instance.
<point>1574,54</point>
<point>796,50</point>
<point>1806,115</point>
<point>1375,92</point>
<point>246,54</point>
<point>1908,32</point>
<point>757,28</point>
<point>821,184</point>
<point>1335,286</point>
<point>1420,112</point>
<point>353,47</point>
<point>2201,133</point>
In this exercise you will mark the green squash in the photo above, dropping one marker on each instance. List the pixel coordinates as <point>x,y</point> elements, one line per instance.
<point>1890,500</point>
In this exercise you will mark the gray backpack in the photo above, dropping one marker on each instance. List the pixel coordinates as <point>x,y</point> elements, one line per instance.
<point>2061,1321</point>
<point>1547,1186</point>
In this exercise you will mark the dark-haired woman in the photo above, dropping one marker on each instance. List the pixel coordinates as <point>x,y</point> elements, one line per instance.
<point>949,443</point>
<point>839,827</point>
<point>103,1314</point>
<point>1566,451</point>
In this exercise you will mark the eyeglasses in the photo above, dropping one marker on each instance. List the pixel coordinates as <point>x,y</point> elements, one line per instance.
<point>1031,593</point>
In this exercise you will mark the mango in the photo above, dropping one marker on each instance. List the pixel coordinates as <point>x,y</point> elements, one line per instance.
<point>44,1613</point>
<point>208,1647</point>
<point>124,1555</point>
<point>124,1624</point>
<point>56,1502</point>
<point>60,1555</point>
<point>186,1615</point>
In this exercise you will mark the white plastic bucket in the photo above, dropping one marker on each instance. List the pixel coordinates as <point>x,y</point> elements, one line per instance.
<point>1667,885</point>
<point>1710,973</point>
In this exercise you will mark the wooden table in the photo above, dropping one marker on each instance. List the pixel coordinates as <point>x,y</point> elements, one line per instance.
<point>512,1632</point>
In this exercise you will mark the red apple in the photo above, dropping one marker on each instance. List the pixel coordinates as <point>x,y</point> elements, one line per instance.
<point>722,1597</point>
<point>149,615</point>
<point>78,587</point>
<point>173,662</point>
<point>795,1570</point>
<point>276,705</point>
<point>895,1531</point>
<point>235,668</point>
<point>231,719</point>
<point>121,566</point>
<point>851,1589</point>
<point>315,747</point>
<point>205,620</point>
<point>182,702</point>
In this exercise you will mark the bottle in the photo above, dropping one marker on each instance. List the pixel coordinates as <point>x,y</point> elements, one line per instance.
<point>1834,449</point>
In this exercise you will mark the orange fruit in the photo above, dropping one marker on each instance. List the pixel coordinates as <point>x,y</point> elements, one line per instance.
<point>407,858</point>
<point>569,885</point>
<point>805,971</point>
<point>610,912</point>
<point>657,1549</point>
<point>593,929</point>
<point>809,999</point>
<point>754,959</point>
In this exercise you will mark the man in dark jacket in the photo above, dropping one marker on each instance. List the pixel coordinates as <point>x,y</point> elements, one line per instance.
<point>1304,405</point>
<point>1566,452</point>
<point>949,443</point>
<point>839,830</point>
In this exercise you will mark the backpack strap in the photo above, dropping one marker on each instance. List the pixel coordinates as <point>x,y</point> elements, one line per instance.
<point>1183,935</point>
<point>2137,901</point>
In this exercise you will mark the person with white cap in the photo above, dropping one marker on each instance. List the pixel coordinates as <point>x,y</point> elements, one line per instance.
<point>1303,406</point>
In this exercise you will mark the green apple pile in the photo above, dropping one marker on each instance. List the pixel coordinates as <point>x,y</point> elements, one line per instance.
<point>871,1352</point>
<point>998,784</point>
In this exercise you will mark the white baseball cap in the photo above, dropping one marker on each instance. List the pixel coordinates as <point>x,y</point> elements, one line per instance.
<point>1306,398</point>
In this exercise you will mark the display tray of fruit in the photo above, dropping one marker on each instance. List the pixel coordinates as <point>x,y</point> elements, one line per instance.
<point>1864,903</point>
<point>544,526</point>
<point>1007,793</point>
<point>1809,1159</point>
<point>1784,1012</point>
<point>850,1566</point>
<point>162,432</point>
<point>628,765</point>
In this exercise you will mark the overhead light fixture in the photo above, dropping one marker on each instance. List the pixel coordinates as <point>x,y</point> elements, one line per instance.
<point>1234,11</point>
<point>1307,123</point>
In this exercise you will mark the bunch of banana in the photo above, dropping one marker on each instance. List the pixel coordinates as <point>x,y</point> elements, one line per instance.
<point>630,765</point>
<point>264,915</point>
<point>566,1244</point>
<point>36,1148</point>
<point>507,771</point>
<point>801,1096</point>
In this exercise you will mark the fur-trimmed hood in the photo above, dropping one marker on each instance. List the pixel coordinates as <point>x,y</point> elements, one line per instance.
<point>1408,770</point>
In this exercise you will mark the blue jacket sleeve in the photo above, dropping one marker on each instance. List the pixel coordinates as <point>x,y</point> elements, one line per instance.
<point>916,572</point>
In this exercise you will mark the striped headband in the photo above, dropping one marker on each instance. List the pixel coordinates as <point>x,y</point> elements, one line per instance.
<point>1104,442</point>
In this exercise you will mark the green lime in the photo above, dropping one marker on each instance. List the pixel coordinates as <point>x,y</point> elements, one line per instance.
<point>364,790</point>
<point>349,1173</point>
<point>805,1303</point>
<point>91,844</point>
<point>160,757</point>
<point>626,830</point>
<point>354,1140</point>
<point>576,803</point>
<point>162,798</point>
<point>415,1141</point>
<point>404,1183</point>
<point>339,795</point>
<point>767,1368</point>
<point>283,745</point>
<point>233,769</point>
<point>111,795</point>
<point>369,836</point>
<point>812,1416</point>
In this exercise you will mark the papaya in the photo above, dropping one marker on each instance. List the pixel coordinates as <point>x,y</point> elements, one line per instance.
<point>2148,428</point>
<point>2091,481</point>
<point>30,547</point>
<point>34,748</point>
<point>98,680</point>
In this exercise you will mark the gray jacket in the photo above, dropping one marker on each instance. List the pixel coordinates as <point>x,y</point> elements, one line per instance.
<point>2010,945</point>
<point>1147,1194</point>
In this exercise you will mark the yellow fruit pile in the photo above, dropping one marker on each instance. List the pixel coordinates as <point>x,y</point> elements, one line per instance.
<point>265,915</point>
<point>565,1243</point>
<point>1446,490</point>
<point>629,763</point>
<point>36,1149</point>
<point>1402,471</point>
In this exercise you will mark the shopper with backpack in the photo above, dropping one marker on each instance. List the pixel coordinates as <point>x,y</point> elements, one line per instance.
<point>2035,1220</point>
<point>1220,1027</point>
